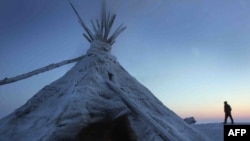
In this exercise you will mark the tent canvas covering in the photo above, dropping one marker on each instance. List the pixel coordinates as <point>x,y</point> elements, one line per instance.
<point>96,100</point>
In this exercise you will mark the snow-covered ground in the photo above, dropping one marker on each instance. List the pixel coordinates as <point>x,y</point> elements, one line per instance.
<point>213,130</point>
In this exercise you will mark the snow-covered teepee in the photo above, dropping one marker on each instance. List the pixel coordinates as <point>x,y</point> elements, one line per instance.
<point>97,100</point>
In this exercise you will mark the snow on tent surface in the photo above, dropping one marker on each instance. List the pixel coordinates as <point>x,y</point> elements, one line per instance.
<point>97,93</point>
<point>96,100</point>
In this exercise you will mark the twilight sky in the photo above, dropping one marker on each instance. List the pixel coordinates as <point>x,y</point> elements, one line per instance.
<point>193,55</point>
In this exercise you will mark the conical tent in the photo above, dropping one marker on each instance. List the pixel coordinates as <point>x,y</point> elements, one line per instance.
<point>97,100</point>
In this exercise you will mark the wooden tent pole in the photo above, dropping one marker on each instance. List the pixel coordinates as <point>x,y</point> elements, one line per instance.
<point>40,70</point>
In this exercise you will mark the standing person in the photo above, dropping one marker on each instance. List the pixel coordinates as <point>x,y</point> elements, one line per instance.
<point>227,110</point>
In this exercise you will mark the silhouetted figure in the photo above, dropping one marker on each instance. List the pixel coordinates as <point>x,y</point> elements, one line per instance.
<point>227,110</point>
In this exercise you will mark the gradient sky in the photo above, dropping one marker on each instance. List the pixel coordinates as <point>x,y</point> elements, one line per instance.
<point>193,55</point>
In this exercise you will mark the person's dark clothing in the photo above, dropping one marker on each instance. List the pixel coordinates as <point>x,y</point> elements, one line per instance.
<point>227,110</point>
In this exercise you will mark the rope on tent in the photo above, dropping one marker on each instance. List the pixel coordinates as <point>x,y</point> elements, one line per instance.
<point>40,70</point>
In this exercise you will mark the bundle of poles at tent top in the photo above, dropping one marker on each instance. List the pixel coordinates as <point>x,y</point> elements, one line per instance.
<point>101,31</point>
